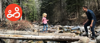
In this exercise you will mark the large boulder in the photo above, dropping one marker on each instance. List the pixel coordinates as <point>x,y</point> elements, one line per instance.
<point>98,39</point>
<point>84,40</point>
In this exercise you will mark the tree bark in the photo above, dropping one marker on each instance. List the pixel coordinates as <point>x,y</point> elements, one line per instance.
<point>1,10</point>
<point>20,5</point>
<point>98,4</point>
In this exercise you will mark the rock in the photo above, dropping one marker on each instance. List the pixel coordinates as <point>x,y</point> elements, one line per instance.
<point>18,41</point>
<point>98,27</point>
<point>84,40</point>
<point>35,25</point>
<point>92,41</point>
<point>57,26</point>
<point>60,28</point>
<point>39,41</point>
<point>97,34</point>
<point>74,42</point>
<point>76,28</point>
<point>98,30</point>
<point>75,31</point>
<point>98,39</point>
<point>82,28</point>
<point>68,27</point>
<point>2,41</point>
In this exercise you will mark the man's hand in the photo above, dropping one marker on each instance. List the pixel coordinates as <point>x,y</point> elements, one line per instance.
<point>85,22</point>
<point>91,25</point>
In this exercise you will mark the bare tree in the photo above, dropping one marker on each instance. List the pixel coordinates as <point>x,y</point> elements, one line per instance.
<point>98,4</point>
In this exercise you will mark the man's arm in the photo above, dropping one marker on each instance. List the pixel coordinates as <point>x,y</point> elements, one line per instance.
<point>92,14</point>
<point>91,23</point>
<point>85,21</point>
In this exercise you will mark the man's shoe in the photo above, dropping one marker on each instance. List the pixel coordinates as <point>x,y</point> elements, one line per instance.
<point>85,35</point>
<point>93,37</point>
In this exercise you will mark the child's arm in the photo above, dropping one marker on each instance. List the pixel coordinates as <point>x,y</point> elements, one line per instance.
<point>42,20</point>
<point>47,20</point>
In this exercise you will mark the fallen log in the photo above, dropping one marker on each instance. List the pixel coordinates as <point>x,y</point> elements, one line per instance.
<point>32,37</point>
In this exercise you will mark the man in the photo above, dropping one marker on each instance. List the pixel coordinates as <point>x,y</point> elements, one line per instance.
<point>91,21</point>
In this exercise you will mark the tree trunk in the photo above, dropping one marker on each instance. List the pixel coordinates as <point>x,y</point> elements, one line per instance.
<point>98,4</point>
<point>60,9</point>
<point>1,10</point>
<point>20,5</point>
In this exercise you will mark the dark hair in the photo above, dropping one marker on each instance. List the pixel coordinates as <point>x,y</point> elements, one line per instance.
<point>85,7</point>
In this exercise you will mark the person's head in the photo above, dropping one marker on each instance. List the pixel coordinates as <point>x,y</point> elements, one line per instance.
<point>44,15</point>
<point>85,8</point>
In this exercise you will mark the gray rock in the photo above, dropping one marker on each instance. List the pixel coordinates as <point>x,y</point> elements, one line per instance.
<point>98,39</point>
<point>92,41</point>
<point>75,42</point>
<point>84,40</point>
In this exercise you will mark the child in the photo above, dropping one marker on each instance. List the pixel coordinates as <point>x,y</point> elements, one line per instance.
<point>44,21</point>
